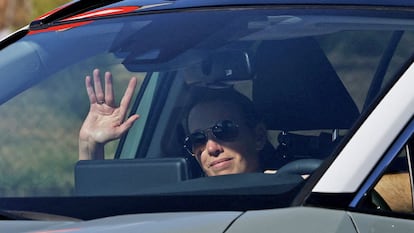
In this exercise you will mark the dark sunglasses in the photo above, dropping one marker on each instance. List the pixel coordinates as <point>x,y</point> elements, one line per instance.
<point>225,130</point>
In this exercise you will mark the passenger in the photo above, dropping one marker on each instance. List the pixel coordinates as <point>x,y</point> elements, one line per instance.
<point>226,134</point>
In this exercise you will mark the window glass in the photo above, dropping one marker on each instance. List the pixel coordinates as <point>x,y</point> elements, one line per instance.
<point>309,73</point>
<point>394,190</point>
<point>40,130</point>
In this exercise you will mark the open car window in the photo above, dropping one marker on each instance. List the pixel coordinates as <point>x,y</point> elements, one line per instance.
<point>390,188</point>
<point>311,76</point>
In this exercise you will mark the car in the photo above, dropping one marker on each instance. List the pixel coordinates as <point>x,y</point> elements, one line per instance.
<point>331,83</point>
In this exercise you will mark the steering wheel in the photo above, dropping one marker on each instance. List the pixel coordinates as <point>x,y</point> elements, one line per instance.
<point>300,167</point>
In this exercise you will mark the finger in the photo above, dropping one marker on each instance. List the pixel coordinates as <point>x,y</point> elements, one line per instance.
<point>100,97</point>
<point>109,90</point>
<point>126,125</point>
<point>89,90</point>
<point>131,120</point>
<point>129,93</point>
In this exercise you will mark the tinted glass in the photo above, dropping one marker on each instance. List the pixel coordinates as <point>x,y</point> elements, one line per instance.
<point>310,75</point>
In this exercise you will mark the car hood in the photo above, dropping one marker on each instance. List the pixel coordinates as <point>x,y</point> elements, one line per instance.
<point>161,222</point>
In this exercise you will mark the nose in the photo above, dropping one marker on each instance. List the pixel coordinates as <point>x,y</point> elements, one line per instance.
<point>213,148</point>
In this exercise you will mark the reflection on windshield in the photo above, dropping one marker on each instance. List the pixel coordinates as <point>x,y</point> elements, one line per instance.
<point>224,92</point>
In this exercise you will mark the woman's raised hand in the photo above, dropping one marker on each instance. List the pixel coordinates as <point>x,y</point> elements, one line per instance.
<point>105,121</point>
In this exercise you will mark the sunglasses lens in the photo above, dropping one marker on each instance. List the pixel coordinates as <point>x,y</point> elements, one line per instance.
<point>195,142</point>
<point>225,130</point>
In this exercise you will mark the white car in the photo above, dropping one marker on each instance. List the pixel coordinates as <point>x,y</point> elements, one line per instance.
<point>331,83</point>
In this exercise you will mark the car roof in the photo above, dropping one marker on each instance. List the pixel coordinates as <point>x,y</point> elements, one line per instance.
<point>83,6</point>
<point>195,3</point>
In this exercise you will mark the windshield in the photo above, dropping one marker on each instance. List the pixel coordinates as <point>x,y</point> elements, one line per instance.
<point>309,76</point>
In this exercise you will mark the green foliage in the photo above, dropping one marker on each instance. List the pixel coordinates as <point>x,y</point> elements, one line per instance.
<point>41,7</point>
<point>39,139</point>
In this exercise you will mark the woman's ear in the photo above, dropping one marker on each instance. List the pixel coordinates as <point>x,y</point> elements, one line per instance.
<point>261,136</point>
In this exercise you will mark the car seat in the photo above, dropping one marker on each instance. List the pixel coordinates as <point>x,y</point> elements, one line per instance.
<point>297,89</point>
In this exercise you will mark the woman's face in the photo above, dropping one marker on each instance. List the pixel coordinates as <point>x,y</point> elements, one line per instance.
<point>221,157</point>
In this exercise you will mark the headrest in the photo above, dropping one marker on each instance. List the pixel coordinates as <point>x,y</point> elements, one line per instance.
<point>297,88</point>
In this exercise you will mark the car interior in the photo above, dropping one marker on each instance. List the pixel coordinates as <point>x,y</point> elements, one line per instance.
<point>304,117</point>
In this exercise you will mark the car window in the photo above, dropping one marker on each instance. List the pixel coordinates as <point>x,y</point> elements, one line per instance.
<point>311,77</point>
<point>395,185</point>
<point>40,128</point>
<point>393,189</point>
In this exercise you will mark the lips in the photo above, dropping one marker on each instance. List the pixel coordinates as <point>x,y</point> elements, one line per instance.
<point>219,162</point>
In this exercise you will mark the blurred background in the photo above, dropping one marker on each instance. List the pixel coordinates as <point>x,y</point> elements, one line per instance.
<point>15,14</point>
<point>40,127</point>
<point>31,162</point>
